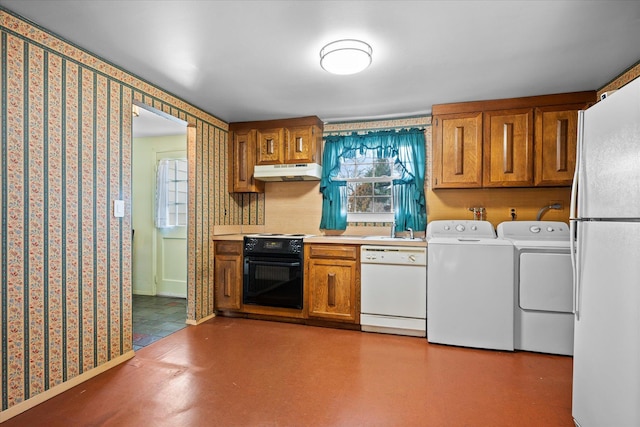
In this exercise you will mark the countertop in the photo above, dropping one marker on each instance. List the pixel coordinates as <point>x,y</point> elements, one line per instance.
<point>343,240</point>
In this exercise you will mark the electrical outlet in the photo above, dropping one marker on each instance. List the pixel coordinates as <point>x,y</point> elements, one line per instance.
<point>557,202</point>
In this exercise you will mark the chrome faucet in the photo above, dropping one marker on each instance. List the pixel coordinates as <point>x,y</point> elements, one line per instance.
<point>410,230</point>
<point>393,229</point>
<point>556,206</point>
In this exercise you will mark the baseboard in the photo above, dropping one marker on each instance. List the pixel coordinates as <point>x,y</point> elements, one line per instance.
<point>52,392</point>
<point>143,293</point>
<point>197,322</point>
<point>170,295</point>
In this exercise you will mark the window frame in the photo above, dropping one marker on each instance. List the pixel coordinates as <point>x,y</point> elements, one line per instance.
<point>173,206</point>
<point>373,216</point>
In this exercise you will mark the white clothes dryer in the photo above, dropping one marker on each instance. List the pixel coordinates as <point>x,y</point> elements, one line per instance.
<point>543,285</point>
<point>469,285</point>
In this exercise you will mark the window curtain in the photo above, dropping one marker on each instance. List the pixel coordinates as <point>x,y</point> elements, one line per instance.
<point>407,145</point>
<point>162,192</point>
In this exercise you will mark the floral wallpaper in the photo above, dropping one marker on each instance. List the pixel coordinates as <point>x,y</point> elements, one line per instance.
<point>65,260</point>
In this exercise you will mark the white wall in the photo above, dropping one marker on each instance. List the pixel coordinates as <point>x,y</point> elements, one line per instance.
<point>143,176</point>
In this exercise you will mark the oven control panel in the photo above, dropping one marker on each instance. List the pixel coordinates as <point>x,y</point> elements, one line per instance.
<point>272,246</point>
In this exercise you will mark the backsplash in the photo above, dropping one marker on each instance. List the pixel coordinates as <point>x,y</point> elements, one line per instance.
<point>303,201</point>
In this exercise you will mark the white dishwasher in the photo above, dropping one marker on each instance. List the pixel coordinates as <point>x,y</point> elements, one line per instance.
<point>393,290</point>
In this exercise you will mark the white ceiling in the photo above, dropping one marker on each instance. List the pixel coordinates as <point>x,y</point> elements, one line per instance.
<point>258,60</point>
<point>149,124</point>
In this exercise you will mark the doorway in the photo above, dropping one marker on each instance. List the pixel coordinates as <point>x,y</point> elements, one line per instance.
<point>159,254</point>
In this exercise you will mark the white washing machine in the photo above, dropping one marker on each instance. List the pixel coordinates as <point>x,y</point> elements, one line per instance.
<point>544,285</point>
<point>469,285</point>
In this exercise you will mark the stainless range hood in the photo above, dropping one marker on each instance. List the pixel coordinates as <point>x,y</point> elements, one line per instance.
<point>293,172</point>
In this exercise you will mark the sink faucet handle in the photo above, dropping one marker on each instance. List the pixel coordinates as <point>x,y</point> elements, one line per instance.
<point>410,230</point>
<point>393,229</point>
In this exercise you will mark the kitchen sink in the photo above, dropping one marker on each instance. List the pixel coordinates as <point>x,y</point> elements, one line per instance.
<point>397,239</point>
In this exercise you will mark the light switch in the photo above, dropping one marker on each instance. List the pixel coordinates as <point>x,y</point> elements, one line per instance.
<point>118,208</point>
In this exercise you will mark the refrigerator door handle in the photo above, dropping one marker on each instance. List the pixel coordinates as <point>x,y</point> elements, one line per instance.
<point>575,265</point>
<point>573,220</point>
<point>573,205</point>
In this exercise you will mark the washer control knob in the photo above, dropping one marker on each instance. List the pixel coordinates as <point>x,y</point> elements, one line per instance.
<point>447,228</point>
<point>535,229</point>
<point>550,229</point>
<point>460,228</point>
<point>474,228</point>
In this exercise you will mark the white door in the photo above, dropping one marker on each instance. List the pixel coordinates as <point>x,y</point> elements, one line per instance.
<point>171,238</point>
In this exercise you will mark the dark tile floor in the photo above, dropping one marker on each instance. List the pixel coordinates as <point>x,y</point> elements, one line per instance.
<point>156,317</point>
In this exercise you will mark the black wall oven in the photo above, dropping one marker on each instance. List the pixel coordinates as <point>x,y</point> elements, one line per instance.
<point>273,270</point>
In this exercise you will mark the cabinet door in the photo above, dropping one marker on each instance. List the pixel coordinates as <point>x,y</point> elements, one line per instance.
<point>228,275</point>
<point>270,147</point>
<point>508,148</point>
<point>300,144</point>
<point>332,292</point>
<point>555,145</point>
<point>241,163</point>
<point>457,151</point>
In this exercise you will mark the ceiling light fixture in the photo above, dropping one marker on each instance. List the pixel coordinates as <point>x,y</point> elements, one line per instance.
<point>346,56</point>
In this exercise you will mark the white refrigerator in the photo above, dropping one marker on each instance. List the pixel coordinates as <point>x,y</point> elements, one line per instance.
<point>605,219</point>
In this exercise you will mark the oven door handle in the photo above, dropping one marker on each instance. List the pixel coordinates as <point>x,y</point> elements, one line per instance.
<point>276,263</point>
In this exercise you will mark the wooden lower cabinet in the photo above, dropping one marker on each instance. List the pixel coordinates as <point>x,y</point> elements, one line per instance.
<point>331,285</point>
<point>228,275</point>
<point>332,282</point>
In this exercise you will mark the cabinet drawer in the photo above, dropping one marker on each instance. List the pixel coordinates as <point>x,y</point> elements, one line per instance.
<point>228,248</point>
<point>333,251</point>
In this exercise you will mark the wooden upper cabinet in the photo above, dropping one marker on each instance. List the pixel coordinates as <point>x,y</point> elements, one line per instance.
<point>508,148</point>
<point>303,144</point>
<point>270,146</point>
<point>271,142</point>
<point>242,161</point>
<point>294,144</point>
<point>555,145</point>
<point>522,142</point>
<point>457,151</point>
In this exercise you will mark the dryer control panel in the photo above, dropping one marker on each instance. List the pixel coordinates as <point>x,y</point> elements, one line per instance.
<point>533,230</point>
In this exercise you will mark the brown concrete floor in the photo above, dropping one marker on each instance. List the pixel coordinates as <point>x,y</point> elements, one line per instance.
<point>239,372</point>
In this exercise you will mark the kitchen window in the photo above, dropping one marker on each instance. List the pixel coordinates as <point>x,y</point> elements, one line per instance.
<point>369,187</point>
<point>374,177</point>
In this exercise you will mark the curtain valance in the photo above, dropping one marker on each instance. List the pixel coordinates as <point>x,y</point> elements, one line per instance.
<point>407,146</point>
